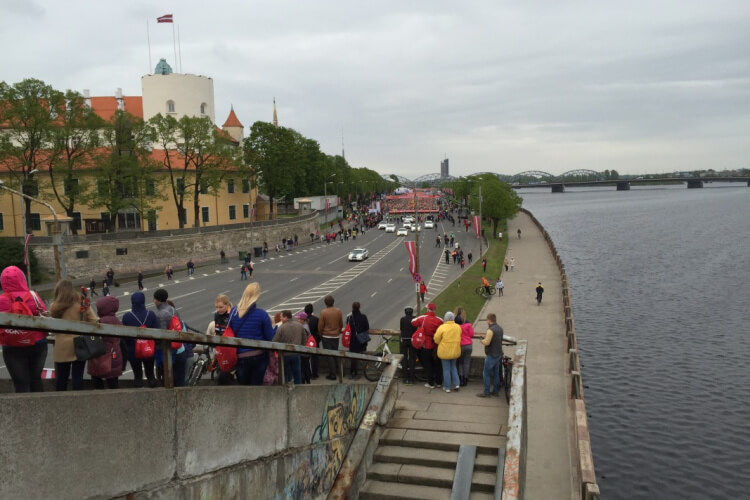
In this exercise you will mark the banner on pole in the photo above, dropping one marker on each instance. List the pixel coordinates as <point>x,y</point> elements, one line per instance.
<point>166,18</point>
<point>477,226</point>
<point>411,249</point>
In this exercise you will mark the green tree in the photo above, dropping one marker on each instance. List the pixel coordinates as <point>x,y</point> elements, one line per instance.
<point>499,200</point>
<point>125,173</point>
<point>28,112</point>
<point>73,143</point>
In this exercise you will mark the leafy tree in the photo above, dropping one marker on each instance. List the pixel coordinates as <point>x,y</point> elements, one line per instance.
<point>125,172</point>
<point>499,200</point>
<point>73,143</point>
<point>28,111</point>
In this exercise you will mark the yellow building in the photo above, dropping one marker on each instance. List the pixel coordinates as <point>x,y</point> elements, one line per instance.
<point>170,94</point>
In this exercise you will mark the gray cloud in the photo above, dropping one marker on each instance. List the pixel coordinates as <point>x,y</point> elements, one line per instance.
<point>637,86</point>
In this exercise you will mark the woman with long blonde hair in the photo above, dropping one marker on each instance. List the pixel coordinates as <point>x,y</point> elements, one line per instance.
<point>248,321</point>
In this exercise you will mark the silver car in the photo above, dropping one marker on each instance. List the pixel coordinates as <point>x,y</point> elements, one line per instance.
<point>358,254</point>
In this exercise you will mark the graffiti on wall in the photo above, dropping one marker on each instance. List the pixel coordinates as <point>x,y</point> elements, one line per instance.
<point>316,470</point>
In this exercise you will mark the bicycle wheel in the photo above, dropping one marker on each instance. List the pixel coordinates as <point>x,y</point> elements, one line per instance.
<point>373,369</point>
<point>508,378</point>
<point>196,372</point>
<point>419,372</point>
<point>493,291</point>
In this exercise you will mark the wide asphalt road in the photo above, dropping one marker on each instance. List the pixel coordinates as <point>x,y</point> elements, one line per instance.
<point>290,279</point>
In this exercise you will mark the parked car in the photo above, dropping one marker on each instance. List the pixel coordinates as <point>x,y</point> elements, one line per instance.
<point>358,254</point>
<point>390,228</point>
<point>402,231</point>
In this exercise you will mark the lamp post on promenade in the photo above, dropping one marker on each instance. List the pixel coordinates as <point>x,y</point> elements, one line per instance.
<point>325,193</point>
<point>416,249</point>
<point>60,271</point>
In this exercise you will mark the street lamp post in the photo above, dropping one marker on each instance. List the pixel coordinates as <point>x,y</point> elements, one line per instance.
<point>325,193</point>
<point>60,271</point>
<point>416,249</point>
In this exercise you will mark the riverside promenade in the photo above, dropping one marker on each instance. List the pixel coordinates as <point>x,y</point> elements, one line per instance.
<point>550,472</point>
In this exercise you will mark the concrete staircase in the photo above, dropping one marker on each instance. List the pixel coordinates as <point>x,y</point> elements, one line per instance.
<point>417,455</point>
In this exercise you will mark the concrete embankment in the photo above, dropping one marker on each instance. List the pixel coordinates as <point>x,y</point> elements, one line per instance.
<point>558,461</point>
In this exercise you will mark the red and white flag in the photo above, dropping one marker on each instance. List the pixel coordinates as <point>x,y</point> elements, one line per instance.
<point>26,251</point>
<point>476,225</point>
<point>411,249</point>
<point>328,203</point>
<point>166,18</point>
<point>252,214</point>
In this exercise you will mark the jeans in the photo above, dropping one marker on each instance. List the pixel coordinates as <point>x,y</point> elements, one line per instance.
<point>410,357</point>
<point>250,370</point>
<point>331,343</point>
<point>492,368</point>
<point>450,374</point>
<point>293,368</point>
<point>464,362</point>
<point>25,366</point>
<point>178,369</point>
<point>62,371</point>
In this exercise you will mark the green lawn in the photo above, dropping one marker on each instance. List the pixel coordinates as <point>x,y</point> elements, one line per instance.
<point>461,292</point>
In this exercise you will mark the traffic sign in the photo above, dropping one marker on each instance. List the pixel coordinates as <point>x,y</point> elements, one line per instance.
<point>417,278</point>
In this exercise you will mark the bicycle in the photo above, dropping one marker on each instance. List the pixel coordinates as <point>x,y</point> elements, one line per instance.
<point>206,363</point>
<point>507,370</point>
<point>373,369</point>
<point>481,290</point>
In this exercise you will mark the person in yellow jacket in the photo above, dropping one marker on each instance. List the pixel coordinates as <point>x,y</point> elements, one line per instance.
<point>448,339</point>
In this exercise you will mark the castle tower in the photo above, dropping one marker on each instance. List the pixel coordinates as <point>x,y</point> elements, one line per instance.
<point>233,127</point>
<point>177,94</point>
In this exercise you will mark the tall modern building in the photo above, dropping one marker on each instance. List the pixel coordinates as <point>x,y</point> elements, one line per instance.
<point>444,168</point>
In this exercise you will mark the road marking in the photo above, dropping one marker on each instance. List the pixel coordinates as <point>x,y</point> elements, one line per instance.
<point>391,279</point>
<point>204,274</point>
<point>373,294</point>
<point>125,293</point>
<point>401,269</point>
<point>218,271</point>
<point>294,279</point>
<point>176,281</point>
<point>160,285</point>
<point>170,298</point>
<point>191,278</point>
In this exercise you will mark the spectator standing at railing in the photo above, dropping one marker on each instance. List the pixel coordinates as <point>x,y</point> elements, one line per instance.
<point>312,323</point>
<point>140,317</point>
<point>222,306</point>
<point>408,351</point>
<point>448,339</point>
<point>359,324</point>
<point>165,309</point>
<point>429,323</point>
<point>68,304</point>
<point>106,308</point>
<point>248,321</point>
<point>464,362</point>
<point>305,359</point>
<point>24,352</point>
<point>493,355</point>
<point>292,332</point>
<point>330,325</point>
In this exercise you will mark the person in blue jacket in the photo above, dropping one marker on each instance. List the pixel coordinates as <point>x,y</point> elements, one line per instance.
<point>248,321</point>
<point>140,316</point>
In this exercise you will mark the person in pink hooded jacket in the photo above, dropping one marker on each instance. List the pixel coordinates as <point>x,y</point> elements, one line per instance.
<point>106,308</point>
<point>24,352</point>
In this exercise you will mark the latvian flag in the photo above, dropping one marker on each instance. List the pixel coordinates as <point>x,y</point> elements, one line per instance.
<point>166,18</point>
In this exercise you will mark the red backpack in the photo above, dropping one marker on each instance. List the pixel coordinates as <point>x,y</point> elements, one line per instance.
<point>144,348</point>
<point>12,337</point>
<point>175,324</point>
<point>226,357</point>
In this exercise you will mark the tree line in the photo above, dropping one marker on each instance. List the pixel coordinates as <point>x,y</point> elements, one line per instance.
<point>119,164</point>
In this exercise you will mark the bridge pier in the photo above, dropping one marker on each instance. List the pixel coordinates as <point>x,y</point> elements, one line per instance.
<point>558,188</point>
<point>623,186</point>
<point>695,184</point>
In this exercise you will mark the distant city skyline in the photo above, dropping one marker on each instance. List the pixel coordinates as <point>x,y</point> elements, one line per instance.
<point>639,87</point>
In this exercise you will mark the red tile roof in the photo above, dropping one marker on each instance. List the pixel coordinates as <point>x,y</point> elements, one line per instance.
<point>232,120</point>
<point>105,107</point>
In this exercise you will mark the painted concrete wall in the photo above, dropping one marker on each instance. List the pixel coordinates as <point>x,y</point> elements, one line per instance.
<point>204,442</point>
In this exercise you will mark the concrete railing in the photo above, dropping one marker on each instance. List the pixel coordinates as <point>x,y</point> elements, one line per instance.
<point>514,465</point>
<point>583,457</point>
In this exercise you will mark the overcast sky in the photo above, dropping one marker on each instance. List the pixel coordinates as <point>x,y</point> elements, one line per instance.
<point>552,85</point>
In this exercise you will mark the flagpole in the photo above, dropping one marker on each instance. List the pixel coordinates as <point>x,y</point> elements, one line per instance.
<point>148,38</point>
<point>179,46</point>
<point>174,44</point>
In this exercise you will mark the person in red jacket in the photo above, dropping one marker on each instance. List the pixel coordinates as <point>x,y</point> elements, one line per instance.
<point>429,322</point>
<point>422,289</point>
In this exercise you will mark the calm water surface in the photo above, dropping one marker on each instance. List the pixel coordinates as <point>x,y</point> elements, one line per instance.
<point>660,280</point>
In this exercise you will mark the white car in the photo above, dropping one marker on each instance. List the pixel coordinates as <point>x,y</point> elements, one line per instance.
<point>408,225</point>
<point>390,228</point>
<point>382,225</point>
<point>402,231</point>
<point>358,254</point>
<point>416,227</point>
<point>429,224</point>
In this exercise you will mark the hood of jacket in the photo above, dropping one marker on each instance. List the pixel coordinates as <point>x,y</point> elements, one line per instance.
<point>138,303</point>
<point>13,280</point>
<point>106,307</point>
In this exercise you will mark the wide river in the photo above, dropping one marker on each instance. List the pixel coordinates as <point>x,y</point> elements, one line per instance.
<point>660,281</point>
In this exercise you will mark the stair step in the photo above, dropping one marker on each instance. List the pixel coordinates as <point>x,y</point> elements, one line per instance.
<point>441,440</point>
<point>434,458</point>
<point>382,490</point>
<point>421,475</point>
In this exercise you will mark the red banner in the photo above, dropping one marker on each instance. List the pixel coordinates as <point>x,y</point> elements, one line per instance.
<point>411,249</point>
<point>477,225</point>
<point>328,203</point>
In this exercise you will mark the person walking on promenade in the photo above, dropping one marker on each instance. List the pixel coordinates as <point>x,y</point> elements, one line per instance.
<point>407,350</point>
<point>190,267</point>
<point>107,308</point>
<point>248,321</point>
<point>448,340</point>
<point>422,289</point>
<point>437,241</point>
<point>464,362</point>
<point>312,323</point>
<point>110,276</point>
<point>512,264</point>
<point>168,272</point>
<point>500,286</point>
<point>250,267</point>
<point>223,256</point>
<point>243,272</point>
<point>92,287</point>
<point>484,265</point>
<point>265,249</point>
<point>330,324</point>
<point>519,233</point>
<point>463,262</point>
<point>447,256</point>
<point>24,351</point>
<point>358,324</point>
<point>69,305</point>
<point>470,256</point>
<point>105,288</point>
<point>140,317</point>
<point>429,323</point>
<point>539,293</point>
<point>291,332</point>
<point>506,262</point>
<point>493,354</point>
<point>140,280</point>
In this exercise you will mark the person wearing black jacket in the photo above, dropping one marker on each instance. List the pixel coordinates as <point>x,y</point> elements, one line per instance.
<point>358,324</point>
<point>312,323</point>
<point>410,354</point>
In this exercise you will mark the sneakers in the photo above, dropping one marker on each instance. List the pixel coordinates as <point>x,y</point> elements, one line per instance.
<point>483,395</point>
<point>457,388</point>
<point>408,382</point>
<point>429,385</point>
<point>447,390</point>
